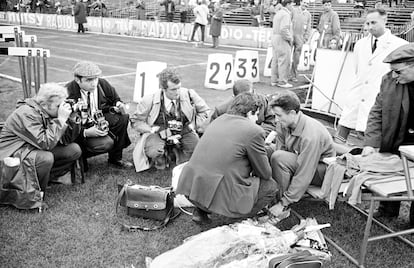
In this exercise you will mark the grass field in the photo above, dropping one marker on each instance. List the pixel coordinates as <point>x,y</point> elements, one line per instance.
<point>80,228</point>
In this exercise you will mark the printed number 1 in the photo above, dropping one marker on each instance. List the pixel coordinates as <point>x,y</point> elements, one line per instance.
<point>142,84</point>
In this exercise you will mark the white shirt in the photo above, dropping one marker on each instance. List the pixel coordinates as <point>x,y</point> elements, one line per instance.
<point>168,104</point>
<point>94,100</point>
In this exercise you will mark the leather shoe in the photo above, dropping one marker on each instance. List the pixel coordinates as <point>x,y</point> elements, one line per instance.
<point>200,216</point>
<point>121,164</point>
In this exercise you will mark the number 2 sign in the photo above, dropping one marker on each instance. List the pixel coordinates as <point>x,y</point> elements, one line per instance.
<point>219,73</point>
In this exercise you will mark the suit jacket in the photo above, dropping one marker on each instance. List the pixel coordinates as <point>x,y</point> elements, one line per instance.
<point>387,120</point>
<point>221,174</point>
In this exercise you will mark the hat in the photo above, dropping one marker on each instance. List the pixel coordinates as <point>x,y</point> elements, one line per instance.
<point>326,1</point>
<point>86,69</point>
<point>404,53</point>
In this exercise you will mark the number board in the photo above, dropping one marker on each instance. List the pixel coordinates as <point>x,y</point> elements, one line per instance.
<point>304,60</point>
<point>146,79</point>
<point>267,70</point>
<point>246,65</point>
<point>219,73</point>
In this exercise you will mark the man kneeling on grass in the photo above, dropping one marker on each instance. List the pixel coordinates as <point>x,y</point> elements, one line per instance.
<point>302,142</point>
<point>39,133</point>
<point>229,172</point>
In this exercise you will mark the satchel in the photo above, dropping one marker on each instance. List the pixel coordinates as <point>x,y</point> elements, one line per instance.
<point>148,202</point>
<point>302,259</point>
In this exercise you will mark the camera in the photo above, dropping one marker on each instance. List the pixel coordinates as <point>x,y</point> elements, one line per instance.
<point>175,126</point>
<point>101,122</point>
<point>79,106</point>
<point>171,139</point>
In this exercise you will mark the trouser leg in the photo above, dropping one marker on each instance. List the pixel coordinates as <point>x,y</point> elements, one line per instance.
<point>44,162</point>
<point>283,165</point>
<point>196,25</point>
<point>274,67</point>
<point>266,194</point>
<point>79,27</point>
<point>154,146</point>
<point>188,144</point>
<point>203,28</point>
<point>389,208</point>
<point>118,126</point>
<point>283,61</point>
<point>298,44</point>
<point>64,156</point>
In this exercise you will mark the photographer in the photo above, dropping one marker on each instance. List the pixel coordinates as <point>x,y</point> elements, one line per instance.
<point>34,134</point>
<point>105,127</point>
<point>168,121</point>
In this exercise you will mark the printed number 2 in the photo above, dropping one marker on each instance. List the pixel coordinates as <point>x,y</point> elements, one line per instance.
<point>142,83</point>
<point>227,67</point>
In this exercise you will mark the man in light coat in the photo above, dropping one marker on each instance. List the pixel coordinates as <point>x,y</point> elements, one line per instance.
<point>167,121</point>
<point>229,172</point>
<point>369,53</point>
<point>282,40</point>
<point>302,26</point>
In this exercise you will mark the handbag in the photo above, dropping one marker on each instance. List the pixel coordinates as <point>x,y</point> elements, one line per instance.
<point>148,202</point>
<point>302,259</point>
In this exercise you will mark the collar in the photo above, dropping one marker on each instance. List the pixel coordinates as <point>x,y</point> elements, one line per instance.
<point>284,8</point>
<point>383,37</point>
<point>300,125</point>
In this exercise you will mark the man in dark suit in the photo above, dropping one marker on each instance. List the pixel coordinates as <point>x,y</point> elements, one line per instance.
<point>391,119</point>
<point>265,119</point>
<point>229,171</point>
<point>101,98</point>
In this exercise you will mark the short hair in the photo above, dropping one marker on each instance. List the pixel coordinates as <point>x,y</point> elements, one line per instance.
<point>49,91</point>
<point>285,2</point>
<point>286,100</point>
<point>326,1</point>
<point>380,11</point>
<point>241,86</point>
<point>244,103</point>
<point>168,74</point>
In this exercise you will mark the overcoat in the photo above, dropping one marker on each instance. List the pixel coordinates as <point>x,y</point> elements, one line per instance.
<point>80,13</point>
<point>216,21</point>
<point>369,69</point>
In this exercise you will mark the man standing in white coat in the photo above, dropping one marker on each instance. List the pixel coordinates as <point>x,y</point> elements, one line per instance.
<point>369,52</point>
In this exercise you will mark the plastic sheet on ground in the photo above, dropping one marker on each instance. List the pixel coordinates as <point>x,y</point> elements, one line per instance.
<point>245,244</point>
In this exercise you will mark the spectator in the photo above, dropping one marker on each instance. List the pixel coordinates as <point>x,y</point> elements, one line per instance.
<point>229,172</point>
<point>273,8</point>
<point>167,122</point>
<point>169,9</point>
<point>105,128</point>
<point>302,26</point>
<point>216,20</point>
<point>329,26</point>
<point>37,133</point>
<point>391,119</point>
<point>140,10</point>
<point>80,15</point>
<point>256,13</point>
<point>282,40</point>
<point>369,69</point>
<point>302,142</point>
<point>265,119</point>
<point>201,14</point>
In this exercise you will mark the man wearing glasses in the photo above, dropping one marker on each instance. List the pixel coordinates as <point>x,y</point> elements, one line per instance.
<point>391,119</point>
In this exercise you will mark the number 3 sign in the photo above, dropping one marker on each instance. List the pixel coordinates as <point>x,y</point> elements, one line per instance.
<point>246,65</point>
<point>146,80</point>
<point>219,73</point>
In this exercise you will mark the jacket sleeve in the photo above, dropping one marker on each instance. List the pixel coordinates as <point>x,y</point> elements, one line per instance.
<point>373,132</point>
<point>201,109</point>
<point>140,117</point>
<point>336,26</point>
<point>257,155</point>
<point>308,30</point>
<point>285,27</point>
<point>111,96</point>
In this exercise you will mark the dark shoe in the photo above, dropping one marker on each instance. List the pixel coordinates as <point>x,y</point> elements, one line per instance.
<point>121,164</point>
<point>411,216</point>
<point>200,216</point>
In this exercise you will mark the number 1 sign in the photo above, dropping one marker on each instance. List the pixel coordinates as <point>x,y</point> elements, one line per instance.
<point>219,73</point>
<point>146,80</point>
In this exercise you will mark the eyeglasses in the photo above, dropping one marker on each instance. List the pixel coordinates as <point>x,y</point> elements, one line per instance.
<point>398,72</point>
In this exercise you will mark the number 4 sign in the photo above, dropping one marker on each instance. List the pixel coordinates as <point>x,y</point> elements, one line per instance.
<point>219,73</point>
<point>146,80</point>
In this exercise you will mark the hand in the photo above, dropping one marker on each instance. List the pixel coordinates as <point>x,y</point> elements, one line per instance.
<point>369,150</point>
<point>94,132</point>
<point>155,129</point>
<point>271,137</point>
<point>64,111</point>
<point>277,209</point>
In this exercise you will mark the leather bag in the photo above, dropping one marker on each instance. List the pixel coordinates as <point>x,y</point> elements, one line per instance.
<point>149,202</point>
<point>302,259</point>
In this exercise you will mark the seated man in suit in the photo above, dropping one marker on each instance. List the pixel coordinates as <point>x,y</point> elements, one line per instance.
<point>229,172</point>
<point>266,119</point>
<point>105,127</point>
<point>168,122</point>
<point>302,142</point>
<point>38,134</point>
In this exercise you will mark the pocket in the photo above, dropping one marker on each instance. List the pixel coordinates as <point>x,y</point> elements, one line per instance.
<point>242,197</point>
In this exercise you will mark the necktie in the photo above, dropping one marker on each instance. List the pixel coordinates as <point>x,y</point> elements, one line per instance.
<point>89,104</point>
<point>374,46</point>
<point>173,109</point>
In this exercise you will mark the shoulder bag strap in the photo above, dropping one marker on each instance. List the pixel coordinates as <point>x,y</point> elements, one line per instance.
<point>133,228</point>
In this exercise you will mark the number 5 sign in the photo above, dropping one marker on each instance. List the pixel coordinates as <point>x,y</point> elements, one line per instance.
<point>219,73</point>
<point>304,60</point>
<point>146,80</point>
<point>246,65</point>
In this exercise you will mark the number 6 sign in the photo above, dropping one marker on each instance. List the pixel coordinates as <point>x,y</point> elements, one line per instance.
<point>246,65</point>
<point>146,80</point>
<point>219,73</point>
